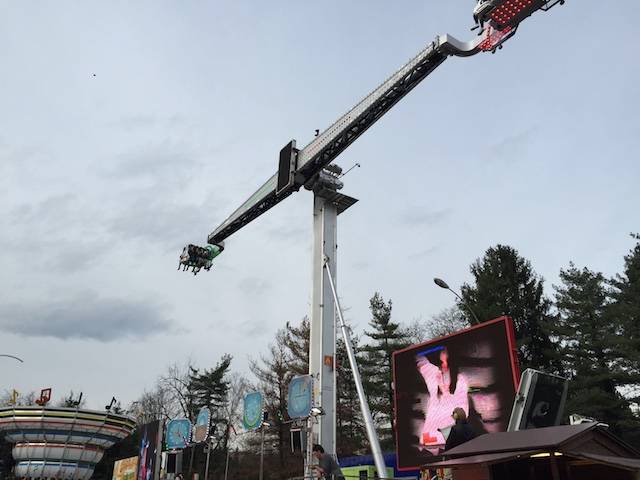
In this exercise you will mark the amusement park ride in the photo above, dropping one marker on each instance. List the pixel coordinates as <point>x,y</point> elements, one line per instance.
<point>64,443</point>
<point>310,167</point>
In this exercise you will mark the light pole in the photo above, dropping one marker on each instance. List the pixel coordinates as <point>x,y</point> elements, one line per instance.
<point>442,284</point>
<point>262,427</point>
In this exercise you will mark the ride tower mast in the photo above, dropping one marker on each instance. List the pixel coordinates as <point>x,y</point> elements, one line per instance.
<point>496,21</point>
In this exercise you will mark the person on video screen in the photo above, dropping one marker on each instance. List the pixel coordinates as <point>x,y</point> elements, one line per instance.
<point>447,390</point>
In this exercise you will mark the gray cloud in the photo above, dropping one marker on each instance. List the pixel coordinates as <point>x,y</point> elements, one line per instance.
<point>513,147</point>
<point>75,256</point>
<point>163,162</point>
<point>141,121</point>
<point>163,222</point>
<point>360,265</point>
<point>133,122</point>
<point>12,155</point>
<point>56,213</point>
<point>252,328</point>
<point>424,253</point>
<point>85,316</point>
<point>288,232</point>
<point>156,186</point>
<point>254,285</point>
<point>422,216</point>
<point>59,233</point>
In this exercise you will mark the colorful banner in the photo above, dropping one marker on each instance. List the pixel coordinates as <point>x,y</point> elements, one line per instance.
<point>299,396</point>
<point>201,430</point>
<point>125,469</point>
<point>178,433</point>
<point>253,411</point>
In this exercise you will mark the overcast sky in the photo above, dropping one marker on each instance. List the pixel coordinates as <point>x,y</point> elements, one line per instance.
<point>128,129</point>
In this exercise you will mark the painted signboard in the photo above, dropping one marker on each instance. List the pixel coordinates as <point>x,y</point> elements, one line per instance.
<point>125,469</point>
<point>253,411</point>
<point>201,430</point>
<point>178,433</point>
<point>299,396</point>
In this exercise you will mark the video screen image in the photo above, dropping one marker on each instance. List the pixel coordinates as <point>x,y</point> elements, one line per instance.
<point>475,370</point>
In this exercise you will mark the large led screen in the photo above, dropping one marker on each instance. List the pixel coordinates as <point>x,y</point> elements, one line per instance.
<point>148,450</point>
<point>475,369</point>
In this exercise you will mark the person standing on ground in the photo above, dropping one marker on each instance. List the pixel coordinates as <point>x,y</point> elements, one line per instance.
<point>327,467</point>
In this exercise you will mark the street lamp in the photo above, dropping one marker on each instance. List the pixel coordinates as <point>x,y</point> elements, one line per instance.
<point>316,411</point>
<point>262,427</point>
<point>11,356</point>
<point>442,284</point>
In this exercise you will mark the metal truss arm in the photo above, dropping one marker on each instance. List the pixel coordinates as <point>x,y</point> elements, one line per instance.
<point>342,133</point>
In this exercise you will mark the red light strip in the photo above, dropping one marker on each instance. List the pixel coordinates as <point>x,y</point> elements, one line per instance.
<point>493,39</point>
<point>509,9</point>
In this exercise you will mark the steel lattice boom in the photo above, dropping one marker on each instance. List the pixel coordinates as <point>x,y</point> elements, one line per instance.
<point>497,21</point>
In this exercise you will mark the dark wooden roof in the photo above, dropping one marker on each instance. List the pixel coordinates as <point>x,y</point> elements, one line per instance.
<point>590,441</point>
<point>533,439</point>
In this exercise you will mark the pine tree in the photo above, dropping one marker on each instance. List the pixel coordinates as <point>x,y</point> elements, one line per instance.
<point>385,338</point>
<point>351,434</point>
<point>589,346</point>
<point>625,310</point>
<point>210,388</point>
<point>297,342</point>
<point>505,284</point>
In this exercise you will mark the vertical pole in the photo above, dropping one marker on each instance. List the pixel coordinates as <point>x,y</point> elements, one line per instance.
<point>193,451</point>
<point>376,451</point>
<point>158,460</point>
<point>206,468</point>
<point>323,333</point>
<point>227,444</point>
<point>308,457</point>
<point>261,452</point>
<point>226,464</point>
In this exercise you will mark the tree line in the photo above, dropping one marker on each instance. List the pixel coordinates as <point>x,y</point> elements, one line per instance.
<point>587,330</point>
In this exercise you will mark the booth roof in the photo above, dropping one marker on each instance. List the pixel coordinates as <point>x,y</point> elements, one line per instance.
<point>532,439</point>
<point>570,440</point>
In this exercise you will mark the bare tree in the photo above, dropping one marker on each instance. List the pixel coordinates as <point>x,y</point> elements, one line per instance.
<point>417,331</point>
<point>448,321</point>
<point>443,323</point>
<point>176,384</point>
<point>273,373</point>
<point>152,405</point>
<point>239,386</point>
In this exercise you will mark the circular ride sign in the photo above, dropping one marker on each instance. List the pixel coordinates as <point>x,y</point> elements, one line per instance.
<point>253,411</point>
<point>178,433</point>
<point>201,430</point>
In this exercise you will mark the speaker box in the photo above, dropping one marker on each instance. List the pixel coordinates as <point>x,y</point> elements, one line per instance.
<point>539,402</point>
<point>298,440</point>
<point>174,462</point>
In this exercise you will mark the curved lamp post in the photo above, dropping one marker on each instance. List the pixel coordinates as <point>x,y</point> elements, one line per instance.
<point>11,356</point>
<point>442,284</point>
